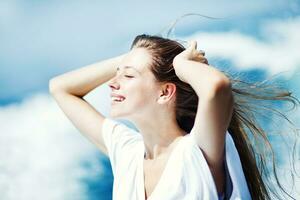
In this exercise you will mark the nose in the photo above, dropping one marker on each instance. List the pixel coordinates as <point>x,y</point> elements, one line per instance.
<point>113,84</point>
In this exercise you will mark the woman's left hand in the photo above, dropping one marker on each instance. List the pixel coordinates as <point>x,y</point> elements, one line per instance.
<point>191,53</point>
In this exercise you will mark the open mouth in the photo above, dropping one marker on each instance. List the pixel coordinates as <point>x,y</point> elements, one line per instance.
<point>117,99</point>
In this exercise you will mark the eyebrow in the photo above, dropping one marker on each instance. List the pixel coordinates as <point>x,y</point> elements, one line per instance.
<point>127,67</point>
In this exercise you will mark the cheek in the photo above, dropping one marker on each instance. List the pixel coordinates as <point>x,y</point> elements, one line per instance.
<point>142,97</point>
<point>142,92</point>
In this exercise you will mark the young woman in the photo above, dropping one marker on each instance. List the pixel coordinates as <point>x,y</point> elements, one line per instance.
<point>191,141</point>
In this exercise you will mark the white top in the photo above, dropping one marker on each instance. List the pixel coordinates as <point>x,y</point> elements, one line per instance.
<point>186,175</point>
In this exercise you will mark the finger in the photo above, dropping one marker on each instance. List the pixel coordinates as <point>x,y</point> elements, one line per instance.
<point>202,52</point>
<point>193,44</point>
<point>202,59</point>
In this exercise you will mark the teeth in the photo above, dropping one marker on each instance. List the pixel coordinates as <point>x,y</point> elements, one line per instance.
<point>117,98</point>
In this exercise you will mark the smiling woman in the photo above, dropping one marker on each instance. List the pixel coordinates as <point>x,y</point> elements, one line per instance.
<point>197,135</point>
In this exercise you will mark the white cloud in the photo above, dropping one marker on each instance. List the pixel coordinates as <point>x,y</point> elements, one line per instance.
<point>278,50</point>
<point>48,37</point>
<point>41,152</point>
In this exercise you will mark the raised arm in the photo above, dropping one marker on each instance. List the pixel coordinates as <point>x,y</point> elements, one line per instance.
<point>215,106</point>
<point>69,89</point>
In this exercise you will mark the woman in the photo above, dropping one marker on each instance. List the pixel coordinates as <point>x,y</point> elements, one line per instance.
<point>191,143</point>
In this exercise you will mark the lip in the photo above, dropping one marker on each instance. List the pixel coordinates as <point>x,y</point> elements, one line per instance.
<point>116,95</point>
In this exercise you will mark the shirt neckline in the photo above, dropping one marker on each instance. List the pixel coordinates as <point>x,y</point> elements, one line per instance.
<point>162,177</point>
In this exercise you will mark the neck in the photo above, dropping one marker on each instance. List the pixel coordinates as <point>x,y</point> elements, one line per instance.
<point>159,137</point>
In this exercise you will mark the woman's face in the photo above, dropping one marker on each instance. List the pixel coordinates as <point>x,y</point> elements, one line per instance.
<point>135,82</point>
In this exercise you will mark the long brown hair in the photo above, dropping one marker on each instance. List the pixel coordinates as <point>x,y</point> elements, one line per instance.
<point>249,98</point>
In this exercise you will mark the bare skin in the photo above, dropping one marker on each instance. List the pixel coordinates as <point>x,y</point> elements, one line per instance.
<point>153,169</point>
<point>157,104</point>
<point>210,85</point>
<point>69,89</point>
<point>214,108</point>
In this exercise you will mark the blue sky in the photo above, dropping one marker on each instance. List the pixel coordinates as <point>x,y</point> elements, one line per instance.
<point>42,39</point>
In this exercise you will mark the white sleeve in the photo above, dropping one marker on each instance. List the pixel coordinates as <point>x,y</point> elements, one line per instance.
<point>119,139</point>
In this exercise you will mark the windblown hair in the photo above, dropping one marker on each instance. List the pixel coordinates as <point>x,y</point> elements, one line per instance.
<point>247,133</point>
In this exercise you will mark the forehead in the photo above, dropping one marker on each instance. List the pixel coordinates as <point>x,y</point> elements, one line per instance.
<point>138,58</point>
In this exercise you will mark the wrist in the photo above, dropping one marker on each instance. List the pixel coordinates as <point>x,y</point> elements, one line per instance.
<point>178,64</point>
<point>178,60</point>
<point>117,61</point>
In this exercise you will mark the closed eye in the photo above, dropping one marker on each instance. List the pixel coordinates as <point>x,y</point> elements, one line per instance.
<point>128,76</point>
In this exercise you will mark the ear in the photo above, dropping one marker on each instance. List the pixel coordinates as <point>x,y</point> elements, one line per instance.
<point>166,93</point>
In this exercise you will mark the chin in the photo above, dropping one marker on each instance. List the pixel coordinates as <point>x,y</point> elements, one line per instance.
<point>115,115</point>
